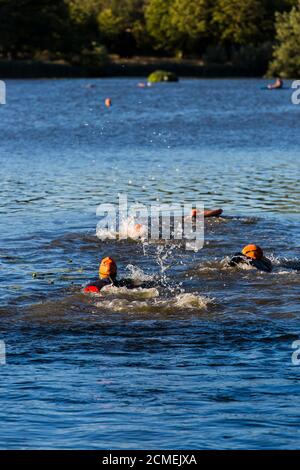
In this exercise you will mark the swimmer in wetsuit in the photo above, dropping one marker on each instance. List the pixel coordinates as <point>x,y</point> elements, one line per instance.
<point>252,255</point>
<point>206,213</point>
<point>108,277</point>
<point>277,85</point>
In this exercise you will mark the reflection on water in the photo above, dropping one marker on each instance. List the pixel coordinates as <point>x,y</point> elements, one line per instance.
<point>201,359</point>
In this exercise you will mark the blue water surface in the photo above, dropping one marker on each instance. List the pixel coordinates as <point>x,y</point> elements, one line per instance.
<point>208,363</point>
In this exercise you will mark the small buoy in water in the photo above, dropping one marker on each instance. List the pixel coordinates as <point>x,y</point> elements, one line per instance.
<point>108,102</point>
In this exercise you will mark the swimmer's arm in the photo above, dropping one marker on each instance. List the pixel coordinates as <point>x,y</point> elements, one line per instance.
<point>128,283</point>
<point>213,213</point>
<point>268,265</point>
<point>236,259</point>
<point>96,286</point>
<point>131,284</point>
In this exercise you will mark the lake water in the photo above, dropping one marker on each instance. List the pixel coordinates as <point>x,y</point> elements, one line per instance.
<point>206,361</point>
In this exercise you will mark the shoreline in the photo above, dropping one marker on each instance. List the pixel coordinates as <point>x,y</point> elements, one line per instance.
<point>134,67</point>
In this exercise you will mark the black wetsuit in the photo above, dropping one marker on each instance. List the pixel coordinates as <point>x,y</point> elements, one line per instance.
<point>128,283</point>
<point>263,264</point>
<point>99,283</point>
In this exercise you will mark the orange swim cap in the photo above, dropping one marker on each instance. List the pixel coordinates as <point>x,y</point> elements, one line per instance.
<point>138,228</point>
<point>253,251</point>
<point>194,213</point>
<point>107,268</point>
<point>108,102</point>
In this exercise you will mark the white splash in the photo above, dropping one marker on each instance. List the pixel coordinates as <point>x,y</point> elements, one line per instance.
<point>124,292</point>
<point>129,228</point>
<point>137,274</point>
<point>148,300</point>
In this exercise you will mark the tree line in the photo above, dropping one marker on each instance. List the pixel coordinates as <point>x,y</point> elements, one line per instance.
<point>264,33</point>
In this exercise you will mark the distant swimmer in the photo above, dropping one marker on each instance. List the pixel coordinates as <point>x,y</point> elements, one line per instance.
<point>108,277</point>
<point>136,231</point>
<point>252,255</point>
<point>207,213</point>
<point>277,85</point>
<point>144,85</point>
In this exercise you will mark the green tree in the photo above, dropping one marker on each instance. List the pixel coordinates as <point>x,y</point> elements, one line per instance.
<point>160,26</point>
<point>82,10</point>
<point>192,19</point>
<point>240,21</point>
<point>110,24</point>
<point>286,61</point>
<point>83,17</point>
<point>122,25</point>
<point>28,26</point>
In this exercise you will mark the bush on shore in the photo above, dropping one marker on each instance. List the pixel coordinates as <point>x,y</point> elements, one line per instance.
<point>162,76</point>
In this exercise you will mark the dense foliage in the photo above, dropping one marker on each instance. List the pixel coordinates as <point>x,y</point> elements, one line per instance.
<point>287,50</point>
<point>219,31</point>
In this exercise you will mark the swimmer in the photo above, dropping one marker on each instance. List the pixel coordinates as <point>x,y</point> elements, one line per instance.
<point>277,85</point>
<point>144,85</point>
<point>136,231</point>
<point>252,255</point>
<point>207,213</point>
<point>108,277</point>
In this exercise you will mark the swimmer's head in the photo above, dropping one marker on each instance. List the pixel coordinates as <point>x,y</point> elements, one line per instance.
<point>136,231</point>
<point>253,251</point>
<point>107,268</point>
<point>138,228</point>
<point>194,213</point>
